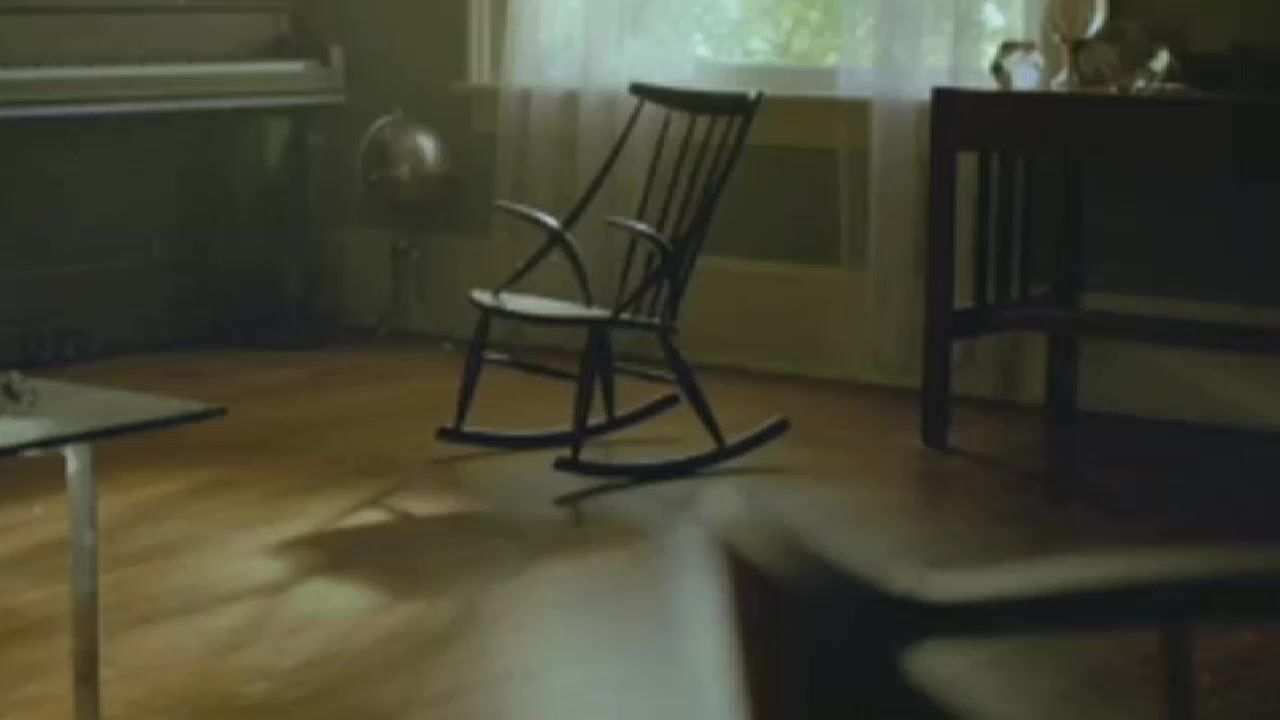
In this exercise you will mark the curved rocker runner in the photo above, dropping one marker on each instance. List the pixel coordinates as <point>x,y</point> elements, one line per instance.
<point>556,438</point>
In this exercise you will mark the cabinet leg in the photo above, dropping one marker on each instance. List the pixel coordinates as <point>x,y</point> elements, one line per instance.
<point>935,398</point>
<point>940,284</point>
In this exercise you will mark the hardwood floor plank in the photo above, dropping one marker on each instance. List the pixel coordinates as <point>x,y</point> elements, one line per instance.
<point>317,555</point>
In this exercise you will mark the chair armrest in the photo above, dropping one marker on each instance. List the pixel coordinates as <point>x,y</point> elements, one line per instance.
<point>557,239</point>
<point>657,241</point>
<point>1103,589</point>
<point>645,232</point>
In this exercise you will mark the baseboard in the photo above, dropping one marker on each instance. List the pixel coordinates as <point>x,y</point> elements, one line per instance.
<point>1203,386</point>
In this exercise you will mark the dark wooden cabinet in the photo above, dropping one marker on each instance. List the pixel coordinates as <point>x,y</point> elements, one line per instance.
<point>1032,279</point>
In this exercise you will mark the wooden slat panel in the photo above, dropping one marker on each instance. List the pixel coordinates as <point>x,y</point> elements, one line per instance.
<point>1005,218</point>
<point>982,233</point>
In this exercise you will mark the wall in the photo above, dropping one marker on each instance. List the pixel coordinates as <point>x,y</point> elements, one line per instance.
<point>1207,26</point>
<point>409,55</point>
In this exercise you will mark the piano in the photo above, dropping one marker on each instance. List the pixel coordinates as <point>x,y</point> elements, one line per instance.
<point>104,57</point>
<point>83,246</point>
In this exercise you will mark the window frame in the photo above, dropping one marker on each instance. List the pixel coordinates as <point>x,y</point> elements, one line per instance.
<point>482,45</point>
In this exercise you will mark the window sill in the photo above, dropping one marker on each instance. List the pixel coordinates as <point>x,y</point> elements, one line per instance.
<point>485,87</point>
<point>813,120</point>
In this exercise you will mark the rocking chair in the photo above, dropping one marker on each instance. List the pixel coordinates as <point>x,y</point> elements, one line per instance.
<point>699,138</point>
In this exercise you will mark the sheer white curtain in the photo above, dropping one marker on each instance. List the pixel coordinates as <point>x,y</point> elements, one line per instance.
<point>894,52</point>
<point>567,63</point>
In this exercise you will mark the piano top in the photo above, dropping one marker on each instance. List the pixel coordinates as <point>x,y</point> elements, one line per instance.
<point>157,69</point>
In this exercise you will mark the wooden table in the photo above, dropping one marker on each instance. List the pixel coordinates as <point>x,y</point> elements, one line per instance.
<point>69,418</point>
<point>858,596</point>
<point>1011,133</point>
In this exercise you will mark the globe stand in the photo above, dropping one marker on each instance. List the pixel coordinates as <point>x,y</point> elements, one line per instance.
<point>406,285</point>
<point>401,167</point>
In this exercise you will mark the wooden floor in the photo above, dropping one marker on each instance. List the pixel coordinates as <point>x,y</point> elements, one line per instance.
<point>317,555</point>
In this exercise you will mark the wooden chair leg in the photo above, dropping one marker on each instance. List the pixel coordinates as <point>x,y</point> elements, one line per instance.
<point>608,378</point>
<point>688,383</point>
<point>646,472</point>
<point>596,364</point>
<point>471,369</point>
<point>1063,370</point>
<point>585,392</point>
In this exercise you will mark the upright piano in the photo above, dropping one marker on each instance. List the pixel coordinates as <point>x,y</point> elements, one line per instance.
<point>108,70</point>
<point>101,57</point>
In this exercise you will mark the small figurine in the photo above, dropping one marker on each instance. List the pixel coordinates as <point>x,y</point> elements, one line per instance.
<point>1072,23</point>
<point>1019,65</point>
<point>15,393</point>
<point>1125,59</point>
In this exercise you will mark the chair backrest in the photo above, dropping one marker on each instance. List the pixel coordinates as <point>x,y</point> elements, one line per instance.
<point>697,139</point>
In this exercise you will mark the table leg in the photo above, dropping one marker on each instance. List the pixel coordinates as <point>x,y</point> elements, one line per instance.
<point>1063,370</point>
<point>82,491</point>
<point>940,280</point>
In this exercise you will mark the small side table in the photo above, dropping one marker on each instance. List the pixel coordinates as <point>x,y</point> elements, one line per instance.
<point>69,418</point>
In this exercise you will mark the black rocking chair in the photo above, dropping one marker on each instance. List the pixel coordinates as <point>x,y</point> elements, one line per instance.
<point>699,138</point>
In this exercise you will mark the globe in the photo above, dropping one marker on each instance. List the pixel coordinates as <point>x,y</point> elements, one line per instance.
<point>402,166</point>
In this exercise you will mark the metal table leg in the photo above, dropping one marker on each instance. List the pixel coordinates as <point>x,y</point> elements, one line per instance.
<point>82,491</point>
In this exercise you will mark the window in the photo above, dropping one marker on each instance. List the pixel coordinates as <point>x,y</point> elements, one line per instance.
<point>818,32</point>
<point>773,32</point>
<point>797,44</point>
<point>780,45</point>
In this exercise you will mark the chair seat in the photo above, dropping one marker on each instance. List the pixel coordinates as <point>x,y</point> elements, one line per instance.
<point>543,309</point>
